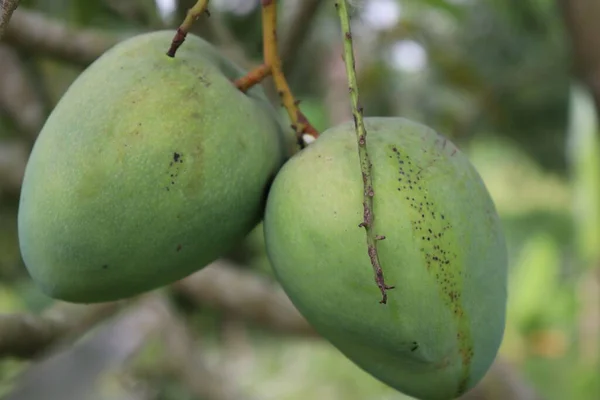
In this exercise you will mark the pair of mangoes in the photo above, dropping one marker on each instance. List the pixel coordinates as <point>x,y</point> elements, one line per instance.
<point>151,167</point>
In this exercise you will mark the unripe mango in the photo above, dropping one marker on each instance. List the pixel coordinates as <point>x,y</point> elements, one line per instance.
<point>148,169</point>
<point>444,251</point>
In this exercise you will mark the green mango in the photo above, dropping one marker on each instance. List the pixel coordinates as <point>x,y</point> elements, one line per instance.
<point>148,169</point>
<point>444,251</point>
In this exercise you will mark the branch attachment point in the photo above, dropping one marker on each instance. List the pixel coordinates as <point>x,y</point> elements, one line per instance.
<point>201,7</point>
<point>253,77</point>
<point>271,58</point>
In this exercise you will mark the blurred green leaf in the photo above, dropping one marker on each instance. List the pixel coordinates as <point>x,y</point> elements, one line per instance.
<point>10,300</point>
<point>534,282</point>
<point>83,12</point>
<point>584,161</point>
<point>454,9</point>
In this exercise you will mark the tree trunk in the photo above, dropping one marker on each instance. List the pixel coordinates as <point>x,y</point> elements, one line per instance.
<point>581,18</point>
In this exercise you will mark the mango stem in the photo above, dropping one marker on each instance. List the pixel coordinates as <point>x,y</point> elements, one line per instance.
<point>201,7</point>
<point>253,77</point>
<point>365,163</point>
<point>300,123</point>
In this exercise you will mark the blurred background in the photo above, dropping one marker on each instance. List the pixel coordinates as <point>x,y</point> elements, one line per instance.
<point>515,83</point>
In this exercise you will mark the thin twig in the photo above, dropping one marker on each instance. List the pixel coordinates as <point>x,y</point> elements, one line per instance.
<point>271,57</point>
<point>253,77</point>
<point>365,163</point>
<point>7,7</point>
<point>201,7</point>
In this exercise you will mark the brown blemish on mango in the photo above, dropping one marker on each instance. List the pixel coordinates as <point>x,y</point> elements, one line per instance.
<point>433,232</point>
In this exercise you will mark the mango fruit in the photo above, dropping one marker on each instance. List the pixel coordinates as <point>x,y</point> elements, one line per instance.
<point>444,251</point>
<point>148,169</point>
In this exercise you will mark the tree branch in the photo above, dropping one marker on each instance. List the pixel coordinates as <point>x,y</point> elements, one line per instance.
<point>255,299</point>
<point>37,33</point>
<point>28,335</point>
<point>18,97</point>
<point>7,7</point>
<point>224,287</point>
<point>186,362</point>
<point>295,35</point>
<point>581,18</point>
<point>13,160</point>
<point>219,285</point>
<point>245,295</point>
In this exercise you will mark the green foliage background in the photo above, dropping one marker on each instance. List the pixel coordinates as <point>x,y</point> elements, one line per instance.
<point>498,81</point>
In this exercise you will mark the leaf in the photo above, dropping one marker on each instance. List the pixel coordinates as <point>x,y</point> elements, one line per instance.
<point>584,162</point>
<point>534,282</point>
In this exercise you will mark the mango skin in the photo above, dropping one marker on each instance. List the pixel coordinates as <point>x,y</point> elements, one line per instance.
<point>444,252</point>
<point>148,169</point>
